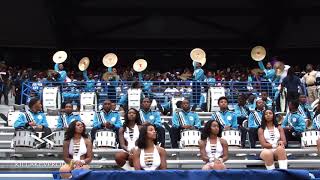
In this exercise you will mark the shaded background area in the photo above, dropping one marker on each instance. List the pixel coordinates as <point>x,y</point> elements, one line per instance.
<point>162,32</point>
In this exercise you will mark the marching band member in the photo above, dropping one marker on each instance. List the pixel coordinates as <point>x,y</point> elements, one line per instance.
<point>148,156</point>
<point>106,118</point>
<point>33,119</point>
<point>198,77</point>
<point>128,135</point>
<point>146,83</point>
<point>213,149</point>
<point>304,108</point>
<point>254,122</point>
<point>293,123</point>
<point>63,74</point>
<point>241,111</point>
<point>226,117</point>
<point>251,102</point>
<point>67,117</point>
<point>273,141</point>
<point>266,99</point>
<point>184,119</point>
<point>77,149</point>
<point>90,82</point>
<point>153,117</point>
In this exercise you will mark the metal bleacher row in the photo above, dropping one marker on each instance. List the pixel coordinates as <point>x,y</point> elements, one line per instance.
<point>177,158</point>
<point>26,158</point>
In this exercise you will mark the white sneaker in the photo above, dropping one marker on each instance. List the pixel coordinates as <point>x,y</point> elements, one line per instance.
<point>127,167</point>
<point>241,154</point>
<point>103,159</point>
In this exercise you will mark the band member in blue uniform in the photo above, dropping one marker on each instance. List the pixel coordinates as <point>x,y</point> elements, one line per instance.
<point>254,122</point>
<point>267,101</point>
<point>182,120</point>
<point>33,119</point>
<point>153,117</point>
<point>242,112</point>
<point>304,108</point>
<point>62,73</point>
<point>227,118</point>
<point>90,82</point>
<point>198,77</point>
<point>106,119</point>
<point>293,123</point>
<point>67,117</point>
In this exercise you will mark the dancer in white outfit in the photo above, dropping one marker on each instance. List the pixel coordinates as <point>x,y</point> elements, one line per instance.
<point>213,149</point>
<point>77,149</point>
<point>148,156</point>
<point>273,141</point>
<point>128,135</point>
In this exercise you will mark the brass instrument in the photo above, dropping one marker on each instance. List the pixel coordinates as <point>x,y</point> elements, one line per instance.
<point>59,57</point>
<point>110,60</point>
<point>198,55</point>
<point>258,53</point>
<point>84,64</point>
<point>140,65</point>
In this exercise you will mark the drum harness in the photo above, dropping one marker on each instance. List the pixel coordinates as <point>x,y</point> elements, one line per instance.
<point>217,116</point>
<point>257,118</point>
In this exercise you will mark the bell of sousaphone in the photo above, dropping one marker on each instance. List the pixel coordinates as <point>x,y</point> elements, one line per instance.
<point>59,57</point>
<point>258,53</point>
<point>198,55</point>
<point>140,65</point>
<point>110,60</point>
<point>84,63</point>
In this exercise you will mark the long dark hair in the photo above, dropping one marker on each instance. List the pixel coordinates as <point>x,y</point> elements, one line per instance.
<point>263,119</point>
<point>72,128</point>
<point>207,129</point>
<point>141,142</point>
<point>126,121</point>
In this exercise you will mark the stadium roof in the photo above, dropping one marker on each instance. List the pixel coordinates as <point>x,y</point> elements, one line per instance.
<point>166,24</point>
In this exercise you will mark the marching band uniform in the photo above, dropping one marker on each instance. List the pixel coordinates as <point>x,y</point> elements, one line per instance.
<point>65,119</point>
<point>254,122</point>
<point>296,121</point>
<point>178,120</point>
<point>306,111</point>
<point>241,113</point>
<point>90,83</point>
<point>38,117</point>
<point>226,118</point>
<point>63,73</point>
<point>101,117</point>
<point>316,122</point>
<point>153,117</point>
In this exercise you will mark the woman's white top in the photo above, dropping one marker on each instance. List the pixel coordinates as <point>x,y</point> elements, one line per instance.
<point>77,150</point>
<point>272,136</point>
<point>131,136</point>
<point>214,151</point>
<point>150,161</point>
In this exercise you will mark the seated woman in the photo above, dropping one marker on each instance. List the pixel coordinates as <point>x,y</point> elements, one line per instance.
<point>273,141</point>
<point>148,156</point>
<point>77,149</point>
<point>128,135</point>
<point>213,149</point>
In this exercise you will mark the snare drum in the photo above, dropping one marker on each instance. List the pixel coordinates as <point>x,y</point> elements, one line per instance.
<point>233,137</point>
<point>309,138</point>
<point>105,138</point>
<point>23,138</point>
<point>58,138</point>
<point>190,138</point>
